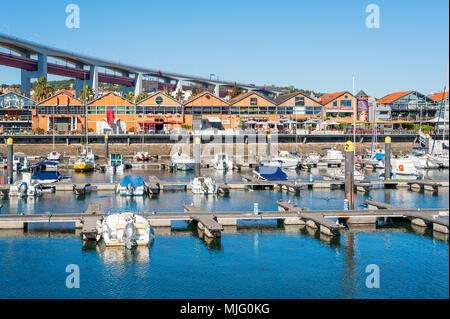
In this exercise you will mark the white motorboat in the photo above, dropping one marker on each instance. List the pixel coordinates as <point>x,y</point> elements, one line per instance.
<point>204,185</point>
<point>132,185</point>
<point>423,161</point>
<point>284,160</point>
<point>124,229</point>
<point>141,157</point>
<point>222,162</point>
<point>20,162</point>
<point>183,162</point>
<point>404,168</point>
<point>340,174</point>
<point>25,188</point>
<point>442,160</point>
<point>333,157</point>
<point>115,162</point>
<point>311,160</point>
<point>54,156</point>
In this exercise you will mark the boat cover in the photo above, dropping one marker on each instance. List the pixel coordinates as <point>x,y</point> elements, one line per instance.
<point>379,156</point>
<point>47,175</point>
<point>271,173</point>
<point>133,180</point>
<point>445,147</point>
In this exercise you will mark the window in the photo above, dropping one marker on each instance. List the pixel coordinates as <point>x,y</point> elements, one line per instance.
<point>335,103</point>
<point>346,103</point>
<point>299,101</point>
<point>253,101</point>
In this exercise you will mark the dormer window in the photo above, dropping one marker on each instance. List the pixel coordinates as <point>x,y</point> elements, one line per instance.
<point>253,101</point>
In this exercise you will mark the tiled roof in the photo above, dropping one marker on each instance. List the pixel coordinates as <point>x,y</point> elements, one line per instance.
<point>438,96</point>
<point>324,99</point>
<point>392,97</point>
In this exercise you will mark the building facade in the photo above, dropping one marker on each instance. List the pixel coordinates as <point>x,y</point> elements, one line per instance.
<point>159,113</point>
<point>410,106</point>
<point>339,106</point>
<point>303,106</point>
<point>62,112</point>
<point>16,113</point>
<point>253,106</point>
<point>111,114</point>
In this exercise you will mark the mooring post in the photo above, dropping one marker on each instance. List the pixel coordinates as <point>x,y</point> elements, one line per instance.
<point>106,148</point>
<point>197,147</point>
<point>269,145</point>
<point>427,142</point>
<point>349,174</point>
<point>387,158</point>
<point>10,152</point>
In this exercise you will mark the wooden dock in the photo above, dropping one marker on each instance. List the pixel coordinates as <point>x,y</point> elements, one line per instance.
<point>211,223</point>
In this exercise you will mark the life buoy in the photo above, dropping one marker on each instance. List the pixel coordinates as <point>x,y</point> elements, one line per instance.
<point>401,168</point>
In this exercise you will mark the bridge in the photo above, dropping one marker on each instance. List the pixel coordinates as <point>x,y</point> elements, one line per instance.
<point>85,70</point>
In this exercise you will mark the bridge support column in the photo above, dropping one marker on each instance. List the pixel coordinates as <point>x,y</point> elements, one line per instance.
<point>217,90</point>
<point>138,84</point>
<point>41,71</point>
<point>93,79</point>
<point>79,83</point>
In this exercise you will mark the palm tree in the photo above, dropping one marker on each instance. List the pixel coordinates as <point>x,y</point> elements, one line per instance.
<point>86,93</point>
<point>42,90</point>
<point>179,96</point>
<point>195,91</point>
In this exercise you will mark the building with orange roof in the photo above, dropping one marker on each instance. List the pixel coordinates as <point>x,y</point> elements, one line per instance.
<point>252,106</point>
<point>411,106</point>
<point>111,113</point>
<point>159,112</point>
<point>303,106</point>
<point>16,112</point>
<point>338,106</point>
<point>203,109</point>
<point>62,112</point>
<point>439,96</point>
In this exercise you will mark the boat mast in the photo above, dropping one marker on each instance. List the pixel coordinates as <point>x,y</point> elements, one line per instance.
<point>355,111</point>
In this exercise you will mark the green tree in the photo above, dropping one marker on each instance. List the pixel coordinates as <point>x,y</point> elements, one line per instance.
<point>141,97</point>
<point>129,96</point>
<point>86,93</point>
<point>42,90</point>
<point>234,91</point>
<point>195,91</point>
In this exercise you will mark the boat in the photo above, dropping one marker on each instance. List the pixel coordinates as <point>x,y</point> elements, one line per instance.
<point>54,156</point>
<point>311,160</point>
<point>284,160</point>
<point>132,185</point>
<point>183,162</point>
<point>423,161</point>
<point>141,157</point>
<point>269,173</point>
<point>222,162</point>
<point>25,188</point>
<point>403,168</point>
<point>46,172</point>
<point>89,154</point>
<point>115,162</point>
<point>340,174</point>
<point>20,162</point>
<point>203,185</point>
<point>83,164</point>
<point>378,159</point>
<point>333,157</point>
<point>124,229</point>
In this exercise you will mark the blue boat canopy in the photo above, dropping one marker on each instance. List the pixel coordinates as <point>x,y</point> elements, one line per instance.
<point>418,148</point>
<point>326,148</point>
<point>47,175</point>
<point>271,173</point>
<point>133,180</point>
<point>379,156</point>
<point>445,147</point>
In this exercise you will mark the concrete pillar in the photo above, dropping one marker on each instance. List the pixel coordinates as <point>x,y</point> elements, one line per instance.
<point>427,142</point>
<point>197,152</point>
<point>26,75</point>
<point>387,158</point>
<point>217,90</point>
<point>269,146</point>
<point>79,83</point>
<point>179,85</point>
<point>93,79</point>
<point>138,84</point>
<point>349,174</point>
<point>10,152</point>
<point>106,148</point>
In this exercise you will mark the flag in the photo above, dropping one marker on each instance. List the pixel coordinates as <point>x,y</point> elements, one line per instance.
<point>110,115</point>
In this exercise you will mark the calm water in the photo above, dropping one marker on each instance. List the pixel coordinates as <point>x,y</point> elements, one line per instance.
<point>254,260</point>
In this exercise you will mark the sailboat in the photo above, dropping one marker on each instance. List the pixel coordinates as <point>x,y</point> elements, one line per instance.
<point>53,155</point>
<point>142,156</point>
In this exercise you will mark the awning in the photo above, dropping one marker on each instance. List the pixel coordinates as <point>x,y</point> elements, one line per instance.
<point>214,120</point>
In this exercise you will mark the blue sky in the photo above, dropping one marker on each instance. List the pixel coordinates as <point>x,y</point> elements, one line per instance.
<point>309,44</point>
